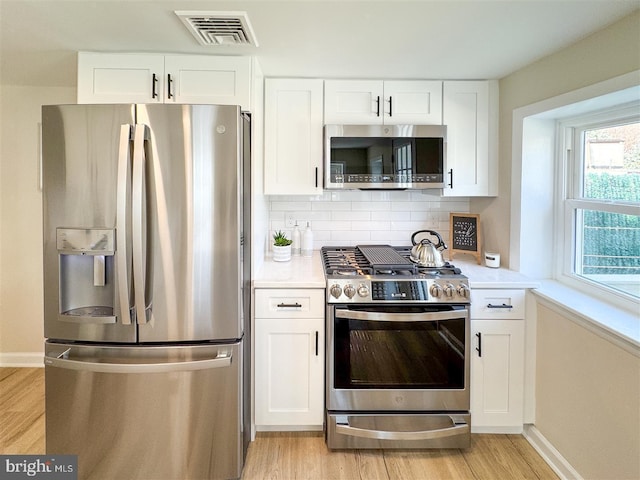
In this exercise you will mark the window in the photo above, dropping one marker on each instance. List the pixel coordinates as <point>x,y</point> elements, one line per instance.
<point>601,208</point>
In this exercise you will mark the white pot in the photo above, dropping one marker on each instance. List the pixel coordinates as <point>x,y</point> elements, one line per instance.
<point>281,254</point>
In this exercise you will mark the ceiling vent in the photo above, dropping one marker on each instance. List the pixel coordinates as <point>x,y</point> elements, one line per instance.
<point>219,28</point>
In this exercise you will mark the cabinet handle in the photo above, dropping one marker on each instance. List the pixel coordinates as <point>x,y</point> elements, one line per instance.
<point>154,84</point>
<point>479,347</point>
<point>378,107</point>
<point>289,305</point>
<point>391,106</point>
<point>169,82</point>
<point>451,178</point>
<point>316,177</point>
<point>504,305</point>
<point>316,343</point>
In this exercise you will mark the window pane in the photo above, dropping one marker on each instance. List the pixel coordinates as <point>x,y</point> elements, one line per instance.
<point>610,252</point>
<point>612,163</point>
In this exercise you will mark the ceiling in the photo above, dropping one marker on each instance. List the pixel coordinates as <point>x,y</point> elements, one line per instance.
<point>451,39</point>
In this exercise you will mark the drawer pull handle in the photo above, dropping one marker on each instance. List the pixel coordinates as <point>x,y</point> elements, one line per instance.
<point>289,305</point>
<point>504,305</point>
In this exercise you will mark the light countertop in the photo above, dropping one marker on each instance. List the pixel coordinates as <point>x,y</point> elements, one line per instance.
<point>308,272</point>
<point>481,276</point>
<point>300,272</point>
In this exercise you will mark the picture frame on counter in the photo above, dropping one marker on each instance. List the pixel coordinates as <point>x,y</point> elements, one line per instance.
<point>465,235</point>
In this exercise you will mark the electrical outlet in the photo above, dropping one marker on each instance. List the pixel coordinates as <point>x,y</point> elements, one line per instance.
<point>290,220</point>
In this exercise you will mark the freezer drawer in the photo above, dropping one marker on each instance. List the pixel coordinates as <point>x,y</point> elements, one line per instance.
<point>146,412</point>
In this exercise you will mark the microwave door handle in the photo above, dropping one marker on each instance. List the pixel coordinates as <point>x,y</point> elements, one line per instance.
<point>123,192</point>
<point>399,317</point>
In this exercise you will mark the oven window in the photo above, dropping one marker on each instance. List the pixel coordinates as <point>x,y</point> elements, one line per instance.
<point>414,355</point>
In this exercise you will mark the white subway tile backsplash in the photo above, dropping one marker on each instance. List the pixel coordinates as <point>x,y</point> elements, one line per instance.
<point>390,215</point>
<point>348,215</point>
<point>371,206</point>
<point>358,217</point>
<point>331,206</point>
<point>290,206</point>
<point>370,226</point>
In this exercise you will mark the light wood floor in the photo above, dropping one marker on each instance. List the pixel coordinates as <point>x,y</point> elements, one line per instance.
<point>303,455</point>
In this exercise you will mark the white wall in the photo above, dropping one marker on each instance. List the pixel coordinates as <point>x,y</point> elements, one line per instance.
<point>608,53</point>
<point>361,217</point>
<point>588,399</point>
<point>587,389</point>
<point>21,324</point>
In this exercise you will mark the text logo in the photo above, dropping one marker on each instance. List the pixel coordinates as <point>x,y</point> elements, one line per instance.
<point>49,467</point>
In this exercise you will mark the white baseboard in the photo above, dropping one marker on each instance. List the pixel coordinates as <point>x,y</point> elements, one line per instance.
<point>22,359</point>
<point>548,452</point>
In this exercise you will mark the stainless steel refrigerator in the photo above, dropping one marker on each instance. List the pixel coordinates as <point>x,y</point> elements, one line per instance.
<point>146,289</point>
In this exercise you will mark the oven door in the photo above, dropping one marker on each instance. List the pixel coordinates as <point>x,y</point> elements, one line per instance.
<point>398,358</point>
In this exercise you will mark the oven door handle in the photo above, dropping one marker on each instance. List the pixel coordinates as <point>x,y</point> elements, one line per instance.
<point>399,317</point>
<point>343,427</point>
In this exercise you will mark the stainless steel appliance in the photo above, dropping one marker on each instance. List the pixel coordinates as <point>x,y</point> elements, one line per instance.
<point>398,340</point>
<point>384,156</point>
<point>146,289</point>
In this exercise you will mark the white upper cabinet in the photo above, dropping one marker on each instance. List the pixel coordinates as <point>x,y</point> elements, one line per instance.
<point>371,102</point>
<point>156,78</point>
<point>469,111</point>
<point>293,136</point>
<point>120,78</point>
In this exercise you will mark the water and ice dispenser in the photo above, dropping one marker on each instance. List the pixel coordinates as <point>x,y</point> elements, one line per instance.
<point>87,281</point>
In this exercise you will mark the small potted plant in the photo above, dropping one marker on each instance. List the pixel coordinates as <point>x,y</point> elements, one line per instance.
<point>281,247</point>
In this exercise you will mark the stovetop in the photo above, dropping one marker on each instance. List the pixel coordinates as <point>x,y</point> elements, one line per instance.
<point>382,273</point>
<point>377,260</point>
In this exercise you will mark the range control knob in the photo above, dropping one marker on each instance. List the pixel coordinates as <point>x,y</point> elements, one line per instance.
<point>349,290</point>
<point>335,290</point>
<point>435,290</point>
<point>363,290</point>
<point>463,290</point>
<point>449,290</point>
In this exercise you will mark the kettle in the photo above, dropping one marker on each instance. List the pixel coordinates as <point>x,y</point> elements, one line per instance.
<point>425,253</point>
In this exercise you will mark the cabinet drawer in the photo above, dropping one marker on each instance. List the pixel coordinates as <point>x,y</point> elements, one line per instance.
<point>294,303</point>
<point>497,304</point>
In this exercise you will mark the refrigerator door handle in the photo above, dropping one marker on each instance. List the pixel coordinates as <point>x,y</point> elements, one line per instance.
<point>138,229</point>
<point>222,359</point>
<point>122,255</point>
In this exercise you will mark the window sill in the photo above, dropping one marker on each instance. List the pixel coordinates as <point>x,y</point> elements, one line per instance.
<point>614,324</point>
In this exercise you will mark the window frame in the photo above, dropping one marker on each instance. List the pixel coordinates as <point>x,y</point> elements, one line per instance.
<point>570,203</point>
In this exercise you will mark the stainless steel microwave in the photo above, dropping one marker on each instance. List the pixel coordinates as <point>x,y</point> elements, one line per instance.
<point>384,157</point>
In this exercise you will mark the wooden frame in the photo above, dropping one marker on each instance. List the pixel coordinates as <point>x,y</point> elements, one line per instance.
<point>465,235</point>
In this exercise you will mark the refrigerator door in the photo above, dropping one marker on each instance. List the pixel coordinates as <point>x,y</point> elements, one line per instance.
<point>186,204</point>
<point>86,163</point>
<point>146,412</point>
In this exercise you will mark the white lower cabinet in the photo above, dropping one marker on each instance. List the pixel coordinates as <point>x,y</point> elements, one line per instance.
<point>289,358</point>
<point>497,361</point>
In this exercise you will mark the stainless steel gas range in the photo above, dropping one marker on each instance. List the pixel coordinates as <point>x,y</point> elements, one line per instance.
<point>398,341</point>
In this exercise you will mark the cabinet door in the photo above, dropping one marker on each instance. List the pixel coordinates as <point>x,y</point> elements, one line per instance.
<point>497,376</point>
<point>469,114</point>
<point>289,372</point>
<point>120,78</point>
<point>208,80</point>
<point>413,102</point>
<point>293,137</point>
<point>353,102</point>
